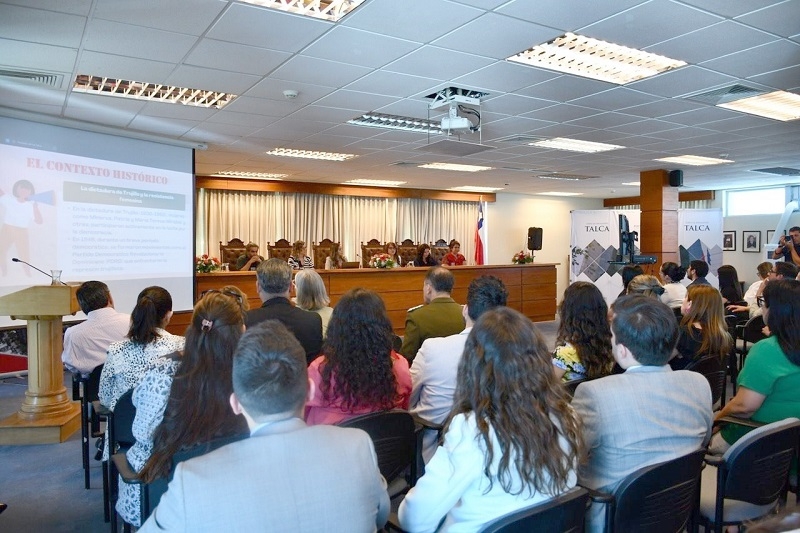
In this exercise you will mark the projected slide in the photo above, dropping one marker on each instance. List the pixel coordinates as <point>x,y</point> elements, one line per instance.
<point>95,207</point>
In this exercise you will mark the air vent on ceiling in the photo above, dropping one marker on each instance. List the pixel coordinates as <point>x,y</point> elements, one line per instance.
<point>405,164</point>
<point>519,139</point>
<point>725,94</point>
<point>780,171</point>
<point>44,78</point>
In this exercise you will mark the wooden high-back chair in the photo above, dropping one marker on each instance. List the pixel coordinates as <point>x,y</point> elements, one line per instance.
<point>282,249</point>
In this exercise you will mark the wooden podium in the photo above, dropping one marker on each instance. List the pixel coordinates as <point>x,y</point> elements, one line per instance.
<point>47,415</point>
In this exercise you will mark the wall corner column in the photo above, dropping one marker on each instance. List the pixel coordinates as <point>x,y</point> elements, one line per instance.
<point>658,233</point>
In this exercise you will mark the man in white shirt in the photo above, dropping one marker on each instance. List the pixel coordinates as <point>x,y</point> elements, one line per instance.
<point>85,344</point>
<point>433,373</point>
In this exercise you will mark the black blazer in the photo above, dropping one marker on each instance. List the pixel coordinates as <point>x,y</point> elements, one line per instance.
<point>306,325</point>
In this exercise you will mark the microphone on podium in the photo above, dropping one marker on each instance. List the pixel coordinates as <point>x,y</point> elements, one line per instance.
<point>18,260</point>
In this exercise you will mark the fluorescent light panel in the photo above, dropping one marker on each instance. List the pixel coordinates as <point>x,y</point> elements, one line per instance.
<point>397,122</point>
<point>574,145</point>
<point>254,175</point>
<point>381,183</point>
<point>778,105</point>
<point>309,154</point>
<point>332,10</point>
<point>474,188</point>
<point>632,183</point>
<point>153,92</point>
<point>454,166</point>
<point>556,193</point>
<point>596,59</point>
<point>694,160</point>
<point>558,178</point>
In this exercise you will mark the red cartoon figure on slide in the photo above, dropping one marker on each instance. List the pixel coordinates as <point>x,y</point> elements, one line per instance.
<point>20,209</point>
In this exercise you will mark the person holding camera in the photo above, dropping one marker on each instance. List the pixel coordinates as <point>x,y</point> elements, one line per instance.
<point>789,247</point>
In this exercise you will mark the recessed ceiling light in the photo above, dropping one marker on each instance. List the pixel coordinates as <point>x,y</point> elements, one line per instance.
<point>574,145</point>
<point>332,10</point>
<point>474,188</point>
<point>381,183</point>
<point>555,193</point>
<point>455,166</point>
<point>693,160</point>
<point>154,92</point>
<point>779,105</point>
<point>632,183</point>
<point>397,122</point>
<point>558,178</point>
<point>308,154</point>
<point>596,59</point>
<point>254,175</point>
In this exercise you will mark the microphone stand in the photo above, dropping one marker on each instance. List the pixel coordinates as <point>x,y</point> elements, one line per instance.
<point>18,260</point>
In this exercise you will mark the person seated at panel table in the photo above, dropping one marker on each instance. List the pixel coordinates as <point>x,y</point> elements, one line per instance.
<point>702,330</point>
<point>299,259</point>
<point>391,250</point>
<point>359,372</point>
<point>167,415</point>
<point>512,439</point>
<point>453,257</point>
<point>250,259</point>
<point>424,257</point>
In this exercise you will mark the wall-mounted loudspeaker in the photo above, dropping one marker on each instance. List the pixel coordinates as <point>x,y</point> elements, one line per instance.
<point>676,178</point>
<point>534,238</point>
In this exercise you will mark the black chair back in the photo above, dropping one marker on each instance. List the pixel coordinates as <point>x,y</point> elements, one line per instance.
<point>572,384</point>
<point>124,413</point>
<point>562,514</point>
<point>659,498</point>
<point>712,367</point>
<point>393,435</point>
<point>92,386</point>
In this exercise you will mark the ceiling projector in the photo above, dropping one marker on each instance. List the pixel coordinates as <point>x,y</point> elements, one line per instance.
<point>456,125</point>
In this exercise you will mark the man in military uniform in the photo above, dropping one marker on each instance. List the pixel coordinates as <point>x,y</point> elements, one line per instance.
<point>439,316</point>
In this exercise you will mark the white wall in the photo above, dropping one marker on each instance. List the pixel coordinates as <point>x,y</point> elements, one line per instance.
<point>745,262</point>
<point>509,218</point>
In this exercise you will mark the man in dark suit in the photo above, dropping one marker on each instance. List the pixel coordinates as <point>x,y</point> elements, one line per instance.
<point>274,279</point>
<point>440,316</point>
<point>287,476</point>
<point>697,272</point>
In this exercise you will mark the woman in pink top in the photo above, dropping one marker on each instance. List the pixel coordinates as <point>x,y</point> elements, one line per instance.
<point>358,372</point>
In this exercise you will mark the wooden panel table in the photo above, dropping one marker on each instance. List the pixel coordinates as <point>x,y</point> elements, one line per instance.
<point>531,287</point>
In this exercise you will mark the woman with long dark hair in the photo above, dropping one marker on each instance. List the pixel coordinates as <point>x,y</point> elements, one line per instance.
<point>185,400</point>
<point>769,381</point>
<point>583,343</point>
<point>358,371</point>
<point>424,257</point>
<point>674,291</point>
<point>391,251</point>
<point>702,329</point>
<point>729,285</point>
<point>512,439</point>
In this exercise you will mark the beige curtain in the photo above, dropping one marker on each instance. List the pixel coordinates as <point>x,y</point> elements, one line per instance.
<point>264,218</point>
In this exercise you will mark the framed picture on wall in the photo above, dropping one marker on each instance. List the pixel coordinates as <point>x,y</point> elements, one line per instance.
<point>751,241</point>
<point>770,233</point>
<point>729,241</point>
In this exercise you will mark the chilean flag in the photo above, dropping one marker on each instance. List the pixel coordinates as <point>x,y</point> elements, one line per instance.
<point>479,236</point>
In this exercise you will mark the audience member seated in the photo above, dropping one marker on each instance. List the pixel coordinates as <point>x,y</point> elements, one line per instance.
<point>287,476</point>
<point>647,415</point>
<point>86,344</point>
<point>646,285</point>
<point>358,372</point>
<point>753,293</point>
<point>274,281</point>
<point>729,285</point>
<point>391,250</point>
<point>697,272</point>
<point>674,290</point>
<point>769,381</point>
<point>512,440</point>
<point>168,412</point>
<point>702,330</point>
<point>147,341</point>
<point>627,273</point>
<point>433,374</point>
<point>439,316</point>
<point>299,259</point>
<point>250,259</point>
<point>454,258</point>
<point>311,295</point>
<point>583,343</point>
<point>424,257</point>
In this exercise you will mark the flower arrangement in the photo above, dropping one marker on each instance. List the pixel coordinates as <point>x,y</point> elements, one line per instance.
<point>520,258</point>
<point>205,264</point>
<point>381,261</point>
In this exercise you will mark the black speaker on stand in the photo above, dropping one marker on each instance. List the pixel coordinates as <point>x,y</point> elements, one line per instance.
<point>534,240</point>
<point>676,178</point>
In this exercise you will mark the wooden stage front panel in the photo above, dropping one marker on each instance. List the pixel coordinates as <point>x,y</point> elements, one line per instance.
<point>531,288</point>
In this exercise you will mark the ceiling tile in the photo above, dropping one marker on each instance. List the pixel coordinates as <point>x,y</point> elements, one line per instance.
<point>356,47</point>
<point>211,80</point>
<point>304,69</point>
<point>126,68</point>
<point>565,88</point>
<point>222,55</point>
<point>75,7</point>
<point>727,37</point>
<point>562,113</point>
<point>730,8</point>
<point>780,18</point>
<point>615,98</point>
<point>504,76</point>
<point>512,104</point>
<point>135,41</point>
<point>567,15</point>
<point>479,36</point>
<point>662,108</point>
<point>758,60</point>
<point>35,57</point>
<point>37,25</point>
<point>787,79</point>
<point>355,100</point>
<point>437,63</point>
<point>183,16</point>
<point>393,84</point>
<point>685,80</point>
